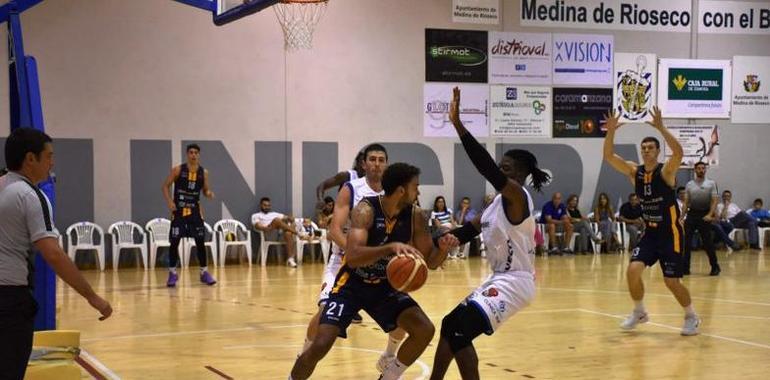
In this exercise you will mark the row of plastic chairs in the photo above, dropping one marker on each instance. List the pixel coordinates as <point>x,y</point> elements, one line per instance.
<point>621,234</point>
<point>226,233</point>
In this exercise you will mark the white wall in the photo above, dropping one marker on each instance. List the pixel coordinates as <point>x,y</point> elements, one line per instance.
<point>115,70</point>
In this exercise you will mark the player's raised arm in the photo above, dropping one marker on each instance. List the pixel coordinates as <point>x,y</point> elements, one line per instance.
<point>509,188</point>
<point>677,153</point>
<point>618,163</point>
<point>333,181</point>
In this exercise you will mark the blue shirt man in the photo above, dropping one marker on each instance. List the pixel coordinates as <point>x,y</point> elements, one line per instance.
<point>554,216</point>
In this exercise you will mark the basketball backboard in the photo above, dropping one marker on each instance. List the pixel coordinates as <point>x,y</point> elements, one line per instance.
<point>231,10</point>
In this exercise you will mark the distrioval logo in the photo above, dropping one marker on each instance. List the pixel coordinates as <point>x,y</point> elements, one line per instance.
<point>462,55</point>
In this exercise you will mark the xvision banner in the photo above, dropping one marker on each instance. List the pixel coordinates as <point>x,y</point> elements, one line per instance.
<point>582,59</point>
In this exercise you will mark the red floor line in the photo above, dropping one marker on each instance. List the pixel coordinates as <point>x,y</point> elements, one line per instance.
<point>90,369</point>
<point>218,372</point>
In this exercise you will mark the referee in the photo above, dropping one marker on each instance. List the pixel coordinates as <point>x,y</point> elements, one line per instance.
<point>26,225</point>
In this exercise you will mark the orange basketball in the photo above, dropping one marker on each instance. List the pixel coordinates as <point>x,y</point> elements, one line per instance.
<point>406,274</point>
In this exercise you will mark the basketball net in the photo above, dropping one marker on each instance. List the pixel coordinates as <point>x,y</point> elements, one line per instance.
<point>298,19</point>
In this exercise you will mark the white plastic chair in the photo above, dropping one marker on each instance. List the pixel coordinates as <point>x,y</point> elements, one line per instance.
<point>226,227</point>
<point>620,232</point>
<point>158,235</point>
<point>762,231</point>
<point>544,230</point>
<point>189,243</point>
<point>743,231</point>
<point>84,240</point>
<point>301,243</point>
<point>123,238</point>
<point>264,246</point>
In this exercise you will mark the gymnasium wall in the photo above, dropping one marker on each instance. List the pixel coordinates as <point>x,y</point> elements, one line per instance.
<point>125,84</point>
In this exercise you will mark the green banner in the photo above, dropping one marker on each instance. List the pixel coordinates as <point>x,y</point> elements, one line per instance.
<point>695,84</point>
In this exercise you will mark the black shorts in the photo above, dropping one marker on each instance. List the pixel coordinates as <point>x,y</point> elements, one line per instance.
<point>189,226</point>
<point>665,246</point>
<point>351,294</point>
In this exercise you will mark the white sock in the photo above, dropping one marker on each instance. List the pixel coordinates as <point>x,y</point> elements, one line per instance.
<point>639,306</point>
<point>392,346</point>
<point>204,269</point>
<point>689,310</point>
<point>172,270</point>
<point>307,344</point>
<point>394,370</point>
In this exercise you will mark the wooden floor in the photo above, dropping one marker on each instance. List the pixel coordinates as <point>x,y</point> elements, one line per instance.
<point>252,324</point>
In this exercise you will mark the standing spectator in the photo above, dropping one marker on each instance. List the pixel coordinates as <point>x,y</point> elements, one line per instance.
<point>631,215</point>
<point>731,216</point>
<point>604,216</point>
<point>681,198</point>
<point>556,219</point>
<point>582,226</point>
<point>761,215</point>
<point>700,205</point>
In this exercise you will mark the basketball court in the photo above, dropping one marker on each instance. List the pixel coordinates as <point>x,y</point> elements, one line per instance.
<point>128,85</point>
<point>252,324</point>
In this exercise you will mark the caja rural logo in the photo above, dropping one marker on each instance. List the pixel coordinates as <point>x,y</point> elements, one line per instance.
<point>462,55</point>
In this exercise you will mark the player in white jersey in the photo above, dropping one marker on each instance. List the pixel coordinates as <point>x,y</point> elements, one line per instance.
<point>374,164</point>
<point>341,178</point>
<point>508,229</point>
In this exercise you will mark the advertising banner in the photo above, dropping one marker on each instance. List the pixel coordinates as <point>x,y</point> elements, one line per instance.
<point>474,109</point>
<point>700,144</point>
<point>634,90</point>
<point>751,90</point>
<point>456,55</point>
<point>578,112</point>
<point>582,59</point>
<point>520,111</point>
<point>520,58</point>
<point>691,88</point>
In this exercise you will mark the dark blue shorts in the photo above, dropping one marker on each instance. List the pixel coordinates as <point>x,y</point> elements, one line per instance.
<point>351,294</point>
<point>190,226</point>
<point>664,245</point>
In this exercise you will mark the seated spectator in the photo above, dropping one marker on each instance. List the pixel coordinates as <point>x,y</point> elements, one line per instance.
<point>324,215</point>
<point>442,220</point>
<point>441,217</point>
<point>267,220</point>
<point>554,216</point>
<point>631,215</point>
<point>730,216</point>
<point>761,215</point>
<point>465,214</point>
<point>604,216</point>
<point>582,226</point>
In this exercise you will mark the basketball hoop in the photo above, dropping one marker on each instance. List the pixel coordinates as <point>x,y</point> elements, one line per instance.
<point>298,19</point>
